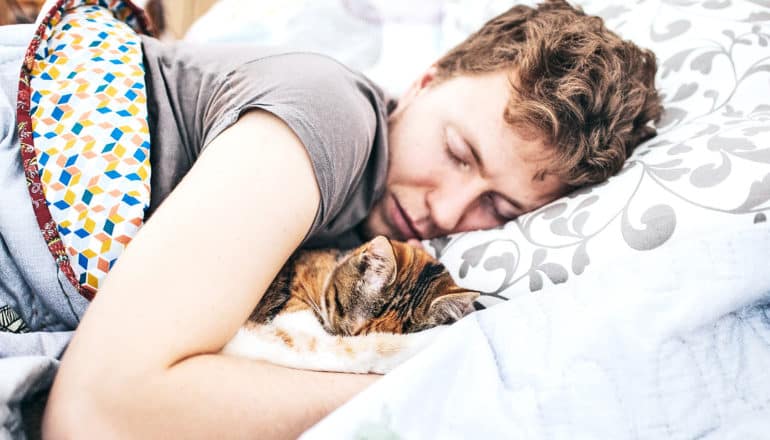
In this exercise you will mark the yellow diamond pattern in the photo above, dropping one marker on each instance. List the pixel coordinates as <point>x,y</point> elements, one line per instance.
<point>89,119</point>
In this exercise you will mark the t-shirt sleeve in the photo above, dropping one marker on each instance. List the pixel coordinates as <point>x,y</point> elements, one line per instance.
<point>332,110</point>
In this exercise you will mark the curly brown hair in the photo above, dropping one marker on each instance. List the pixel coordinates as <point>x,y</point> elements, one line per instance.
<point>590,93</point>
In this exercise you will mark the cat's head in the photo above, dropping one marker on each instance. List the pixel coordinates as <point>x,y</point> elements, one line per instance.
<point>390,286</point>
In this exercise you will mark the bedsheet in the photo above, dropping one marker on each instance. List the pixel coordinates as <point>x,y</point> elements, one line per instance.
<point>680,356</point>
<point>26,379</point>
<point>637,308</point>
<point>661,328</point>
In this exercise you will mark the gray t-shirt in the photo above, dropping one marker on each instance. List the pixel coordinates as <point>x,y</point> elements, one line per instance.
<point>195,92</point>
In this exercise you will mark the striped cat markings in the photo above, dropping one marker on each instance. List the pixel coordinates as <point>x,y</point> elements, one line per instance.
<point>361,311</point>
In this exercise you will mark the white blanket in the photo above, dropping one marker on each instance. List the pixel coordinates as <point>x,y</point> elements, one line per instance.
<point>674,348</point>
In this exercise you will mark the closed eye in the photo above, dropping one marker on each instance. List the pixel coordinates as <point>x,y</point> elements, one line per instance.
<point>452,146</point>
<point>462,164</point>
<point>501,209</point>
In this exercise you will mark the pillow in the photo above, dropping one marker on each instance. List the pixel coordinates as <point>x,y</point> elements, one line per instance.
<point>637,339</point>
<point>706,176</point>
<point>88,147</point>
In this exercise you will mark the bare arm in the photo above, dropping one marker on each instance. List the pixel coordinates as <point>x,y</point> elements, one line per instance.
<point>144,359</point>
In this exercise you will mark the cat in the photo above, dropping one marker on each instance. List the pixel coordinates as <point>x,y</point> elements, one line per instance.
<point>360,311</point>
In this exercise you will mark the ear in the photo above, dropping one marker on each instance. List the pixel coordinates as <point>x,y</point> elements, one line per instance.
<point>425,79</point>
<point>453,306</point>
<point>378,263</point>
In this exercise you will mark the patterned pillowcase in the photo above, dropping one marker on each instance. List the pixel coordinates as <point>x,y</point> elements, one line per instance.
<point>82,119</point>
<point>706,176</point>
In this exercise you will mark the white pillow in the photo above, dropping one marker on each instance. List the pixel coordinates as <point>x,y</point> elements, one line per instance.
<point>704,177</point>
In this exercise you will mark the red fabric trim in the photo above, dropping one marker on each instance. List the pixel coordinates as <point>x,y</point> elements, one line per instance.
<point>47,225</point>
<point>145,24</point>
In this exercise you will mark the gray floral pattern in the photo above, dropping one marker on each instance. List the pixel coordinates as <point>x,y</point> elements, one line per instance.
<point>707,170</point>
<point>706,173</point>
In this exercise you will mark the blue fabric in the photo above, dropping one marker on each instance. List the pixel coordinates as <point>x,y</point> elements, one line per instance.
<point>30,282</point>
<point>31,288</point>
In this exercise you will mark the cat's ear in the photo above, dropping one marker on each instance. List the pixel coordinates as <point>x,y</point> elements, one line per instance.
<point>453,306</point>
<point>379,263</point>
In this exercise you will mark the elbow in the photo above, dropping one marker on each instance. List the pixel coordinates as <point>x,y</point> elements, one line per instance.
<point>81,407</point>
<point>67,418</point>
<point>59,422</point>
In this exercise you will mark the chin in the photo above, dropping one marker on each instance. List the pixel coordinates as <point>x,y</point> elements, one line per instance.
<point>374,226</point>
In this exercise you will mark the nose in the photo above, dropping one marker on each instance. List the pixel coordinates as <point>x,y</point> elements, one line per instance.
<point>450,202</point>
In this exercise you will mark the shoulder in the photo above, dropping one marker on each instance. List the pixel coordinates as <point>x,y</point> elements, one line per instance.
<point>314,81</point>
<point>338,115</point>
<point>330,107</point>
<point>311,92</point>
<point>300,65</point>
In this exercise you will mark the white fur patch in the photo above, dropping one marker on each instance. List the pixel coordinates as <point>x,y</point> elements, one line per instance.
<point>311,348</point>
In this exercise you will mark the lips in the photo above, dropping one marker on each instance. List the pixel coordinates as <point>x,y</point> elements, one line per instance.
<point>402,222</point>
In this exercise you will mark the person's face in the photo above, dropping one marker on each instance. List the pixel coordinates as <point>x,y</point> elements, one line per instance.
<point>455,164</point>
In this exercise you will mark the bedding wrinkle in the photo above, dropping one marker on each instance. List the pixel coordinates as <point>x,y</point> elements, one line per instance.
<point>29,279</point>
<point>486,331</point>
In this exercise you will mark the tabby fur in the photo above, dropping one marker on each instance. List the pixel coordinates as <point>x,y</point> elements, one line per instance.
<point>365,310</point>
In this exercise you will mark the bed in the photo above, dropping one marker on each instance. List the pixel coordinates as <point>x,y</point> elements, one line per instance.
<point>638,308</point>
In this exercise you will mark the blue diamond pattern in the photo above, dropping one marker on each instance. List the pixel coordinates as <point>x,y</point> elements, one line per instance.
<point>65,177</point>
<point>109,40</point>
<point>57,113</point>
<point>71,160</point>
<point>87,196</point>
<point>130,200</point>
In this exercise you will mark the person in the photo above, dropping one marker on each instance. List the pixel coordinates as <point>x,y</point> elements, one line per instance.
<point>259,152</point>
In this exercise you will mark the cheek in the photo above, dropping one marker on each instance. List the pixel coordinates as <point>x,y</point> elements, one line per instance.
<point>415,163</point>
<point>415,145</point>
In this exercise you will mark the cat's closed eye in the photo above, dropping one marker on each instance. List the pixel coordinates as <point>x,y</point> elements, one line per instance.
<point>331,309</point>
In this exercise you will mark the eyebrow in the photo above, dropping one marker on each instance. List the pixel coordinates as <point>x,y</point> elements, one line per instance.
<point>477,158</point>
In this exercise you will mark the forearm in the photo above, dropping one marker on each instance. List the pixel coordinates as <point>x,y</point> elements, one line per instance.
<point>140,363</point>
<point>205,396</point>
